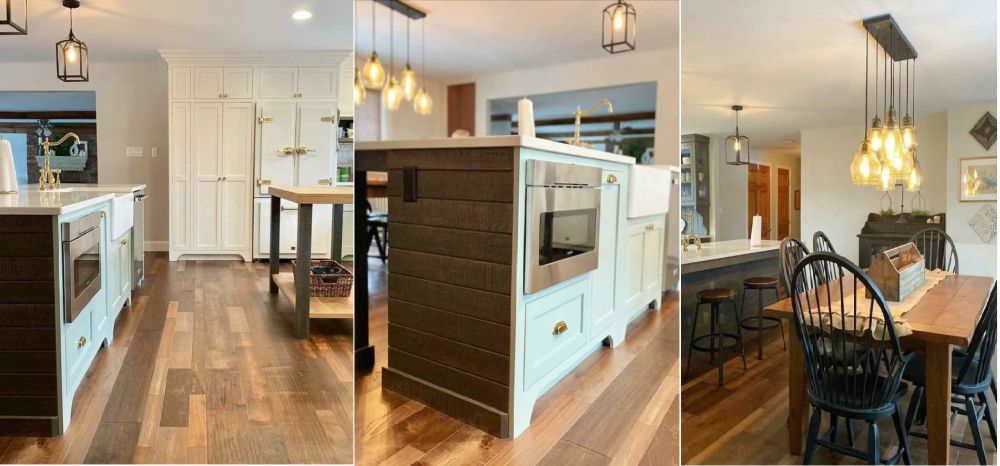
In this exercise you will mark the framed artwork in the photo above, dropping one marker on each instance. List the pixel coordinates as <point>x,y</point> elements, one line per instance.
<point>985,131</point>
<point>798,199</point>
<point>977,179</point>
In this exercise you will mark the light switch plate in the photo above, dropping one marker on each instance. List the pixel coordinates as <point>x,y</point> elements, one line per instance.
<point>133,151</point>
<point>153,152</point>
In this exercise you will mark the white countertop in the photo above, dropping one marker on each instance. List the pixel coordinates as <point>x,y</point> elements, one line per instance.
<point>494,141</point>
<point>723,249</point>
<point>29,200</point>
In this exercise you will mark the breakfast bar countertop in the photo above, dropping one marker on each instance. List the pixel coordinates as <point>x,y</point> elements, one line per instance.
<point>494,141</point>
<point>725,249</point>
<point>29,200</point>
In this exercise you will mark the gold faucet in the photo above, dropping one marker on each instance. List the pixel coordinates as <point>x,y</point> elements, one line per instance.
<point>47,176</point>
<point>579,113</point>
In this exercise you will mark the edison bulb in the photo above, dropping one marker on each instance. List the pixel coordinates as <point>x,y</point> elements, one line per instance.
<point>373,74</point>
<point>359,90</point>
<point>422,102</point>
<point>736,145</point>
<point>408,81</point>
<point>875,138</point>
<point>392,95</point>
<point>915,179</point>
<point>885,181</point>
<point>71,54</point>
<point>618,19</point>
<point>865,168</point>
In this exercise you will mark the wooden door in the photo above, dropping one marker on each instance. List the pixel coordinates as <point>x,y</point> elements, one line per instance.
<point>783,203</point>
<point>759,198</point>
<point>462,108</point>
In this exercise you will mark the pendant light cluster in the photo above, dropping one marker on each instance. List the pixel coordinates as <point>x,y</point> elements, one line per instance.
<point>887,155</point>
<point>373,74</point>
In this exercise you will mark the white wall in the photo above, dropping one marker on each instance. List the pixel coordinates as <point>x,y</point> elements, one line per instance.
<point>833,204</point>
<point>405,123</point>
<point>660,66</point>
<point>974,256</point>
<point>131,111</point>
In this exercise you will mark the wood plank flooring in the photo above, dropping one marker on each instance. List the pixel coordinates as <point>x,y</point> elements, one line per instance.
<point>204,368</point>
<point>743,422</point>
<point>617,407</point>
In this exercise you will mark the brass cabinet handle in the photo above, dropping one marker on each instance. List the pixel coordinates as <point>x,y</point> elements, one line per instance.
<point>263,181</point>
<point>560,327</point>
<point>612,179</point>
<point>288,150</point>
<point>303,150</point>
<point>82,341</point>
<point>223,178</point>
<point>650,227</point>
<point>225,96</point>
<point>326,181</point>
<point>283,208</point>
<point>104,214</point>
<point>124,242</point>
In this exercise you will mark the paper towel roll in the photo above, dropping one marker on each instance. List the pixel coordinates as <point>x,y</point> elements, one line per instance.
<point>525,118</point>
<point>755,231</point>
<point>8,178</point>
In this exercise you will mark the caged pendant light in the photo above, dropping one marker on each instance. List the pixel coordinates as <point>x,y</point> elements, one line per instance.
<point>72,56</point>
<point>737,145</point>
<point>13,17</point>
<point>619,27</point>
<point>372,73</point>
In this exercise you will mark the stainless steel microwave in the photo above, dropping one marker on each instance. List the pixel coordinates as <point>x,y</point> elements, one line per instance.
<point>81,248</point>
<point>563,214</point>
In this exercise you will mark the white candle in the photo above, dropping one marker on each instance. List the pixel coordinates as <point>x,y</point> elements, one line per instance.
<point>525,118</point>
<point>8,178</point>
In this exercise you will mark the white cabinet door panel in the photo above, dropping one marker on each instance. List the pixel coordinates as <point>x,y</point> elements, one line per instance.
<point>318,137</point>
<point>238,82</point>
<point>206,150</point>
<point>603,311</point>
<point>237,141</point>
<point>180,82</point>
<point>205,204</point>
<point>180,162</point>
<point>179,205</point>
<point>275,136</point>
<point>234,220</point>
<point>318,82</point>
<point>633,284</point>
<point>208,82</point>
<point>652,261</point>
<point>277,82</point>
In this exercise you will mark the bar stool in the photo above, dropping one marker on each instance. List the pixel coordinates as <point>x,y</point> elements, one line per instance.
<point>760,284</point>
<point>715,297</point>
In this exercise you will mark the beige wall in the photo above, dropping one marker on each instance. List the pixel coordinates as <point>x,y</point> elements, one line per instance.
<point>974,256</point>
<point>131,111</point>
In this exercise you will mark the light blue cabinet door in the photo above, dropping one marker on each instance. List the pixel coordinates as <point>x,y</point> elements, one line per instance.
<point>555,328</point>
<point>636,238</point>
<point>603,312</point>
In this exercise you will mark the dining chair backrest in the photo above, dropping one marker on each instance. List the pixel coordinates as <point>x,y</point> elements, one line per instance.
<point>938,249</point>
<point>790,252</point>
<point>870,362</point>
<point>975,369</point>
<point>822,243</point>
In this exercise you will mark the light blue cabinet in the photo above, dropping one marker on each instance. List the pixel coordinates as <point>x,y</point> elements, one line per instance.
<point>644,266</point>
<point>603,314</point>
<point>119,274</point>
<point>556,327</point>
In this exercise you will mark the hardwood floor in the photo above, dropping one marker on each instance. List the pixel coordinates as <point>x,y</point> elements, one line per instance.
<point>204,368</point>
<point>743,422</point>
<point>617,407</point>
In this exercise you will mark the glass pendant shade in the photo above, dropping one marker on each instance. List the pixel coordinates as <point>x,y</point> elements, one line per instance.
<point>885,181</point>
<point>72,56</point>
<point>909,134</point>
<point>359,90</point>
<point>408,81</point>
<point>865,168</point>
<point>892,140</point>
<point>14,18</point>
<point>373,74</point>
<point>875,135</point>
<point>619,28</point>
<point>915,179</point>
<point>392,95</point>
<point>422,102</point>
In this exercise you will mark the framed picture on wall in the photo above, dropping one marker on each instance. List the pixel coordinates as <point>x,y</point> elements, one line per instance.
<point>977,179</point>
<point>798,199</point>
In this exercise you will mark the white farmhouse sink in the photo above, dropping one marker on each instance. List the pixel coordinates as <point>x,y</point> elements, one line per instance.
<point>649,190</point>
<point>121,214</point>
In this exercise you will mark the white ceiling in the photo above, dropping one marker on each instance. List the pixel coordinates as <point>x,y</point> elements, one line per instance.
<point>794,65</point>
<point>124,30</point>
<point>469,38</point>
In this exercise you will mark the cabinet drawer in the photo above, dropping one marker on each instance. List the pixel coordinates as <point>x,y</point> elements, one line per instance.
<point>554,330</point>
<point>80,331</point>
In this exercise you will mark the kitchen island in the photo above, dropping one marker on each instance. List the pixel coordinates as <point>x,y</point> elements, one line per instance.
<point>723,264</point>
<point>65,275</point>
<point>477,329</point>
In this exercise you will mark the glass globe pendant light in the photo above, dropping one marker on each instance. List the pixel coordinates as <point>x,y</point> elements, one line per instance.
<point>916,177</point>
<point>909,131</point>
<point>422,102</point>
<point>865,167</point>
<point>360,93</point>
<point>372,74</point>
<point>392,94</point>
<point>408,78</point>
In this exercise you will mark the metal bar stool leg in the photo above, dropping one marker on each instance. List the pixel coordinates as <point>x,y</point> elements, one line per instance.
<point>760,324</point>
<point>714,317</point>
<point>739,336</point>
<point>722,359</point>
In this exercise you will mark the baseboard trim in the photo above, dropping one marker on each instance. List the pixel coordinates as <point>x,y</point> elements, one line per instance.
<point>479,415</point>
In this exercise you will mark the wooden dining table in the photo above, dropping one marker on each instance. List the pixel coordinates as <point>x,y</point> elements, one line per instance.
<point>945,317</point>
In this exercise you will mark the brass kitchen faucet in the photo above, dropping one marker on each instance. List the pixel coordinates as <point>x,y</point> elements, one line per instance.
<point>576,132</point>
<point>48,178</point>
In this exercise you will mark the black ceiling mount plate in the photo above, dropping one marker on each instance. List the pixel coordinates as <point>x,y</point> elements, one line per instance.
<point>403,7</point>
<point>886,31</point>
<point>71,3</point>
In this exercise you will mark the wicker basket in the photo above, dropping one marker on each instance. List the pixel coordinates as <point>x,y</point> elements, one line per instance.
<point>336,284</point>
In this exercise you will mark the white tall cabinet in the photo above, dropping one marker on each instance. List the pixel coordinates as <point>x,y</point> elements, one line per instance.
<point>215,147</point>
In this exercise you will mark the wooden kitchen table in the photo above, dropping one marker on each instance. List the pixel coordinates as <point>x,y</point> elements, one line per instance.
<point>295,285</point>
<point>943,317</point>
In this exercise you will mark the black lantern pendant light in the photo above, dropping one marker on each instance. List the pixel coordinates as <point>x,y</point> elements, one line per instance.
<point>72,58</point>
<point>737,146</point>
<point>14,18</point>
<point>619,29</point>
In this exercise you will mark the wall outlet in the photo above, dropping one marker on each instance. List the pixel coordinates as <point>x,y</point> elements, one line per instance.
<point>133,151</point>
<point>153,152</point>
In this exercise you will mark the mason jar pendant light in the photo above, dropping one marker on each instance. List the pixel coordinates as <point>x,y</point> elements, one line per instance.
<point>736,144</point>
<point>866,168</point>
<point>619,29</point>
<point>392,94</point>
<point>14,18</point>
<point>372,74</point>
<point>408,79</point>
<point>72,57</point>
<point>422,102</point>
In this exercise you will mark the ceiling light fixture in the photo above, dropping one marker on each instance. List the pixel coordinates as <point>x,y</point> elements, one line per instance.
<point>422,102</point>
<point>302,15</point>
<point>72,56</point>
<point>392,95</point>
<point>866,168</point>
<point>408,79</point>
<point>737,144</point>
<point>14,21</point>
<point>372,74</point>
<point>619,30</point>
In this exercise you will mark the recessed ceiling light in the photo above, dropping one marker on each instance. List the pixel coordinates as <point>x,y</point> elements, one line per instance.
<point>302,15</point>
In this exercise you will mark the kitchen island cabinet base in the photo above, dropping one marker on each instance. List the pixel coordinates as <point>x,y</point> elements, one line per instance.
<point>486,418</point>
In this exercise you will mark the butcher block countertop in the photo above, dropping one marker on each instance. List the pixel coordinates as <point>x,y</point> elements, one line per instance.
<point>313,194</point>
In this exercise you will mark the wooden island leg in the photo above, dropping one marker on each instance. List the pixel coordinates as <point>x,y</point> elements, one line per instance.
<point>938,399</point>
<point>274,256</point>
<point>303,256</point>
<point>337,248</point>
<point>798,401</point>
<point>364,352</point>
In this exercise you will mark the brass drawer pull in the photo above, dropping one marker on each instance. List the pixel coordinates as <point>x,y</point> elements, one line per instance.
<point>82,341</point>
<point>560,327</point>
<point>263,181</point>
<point>612,179</point>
